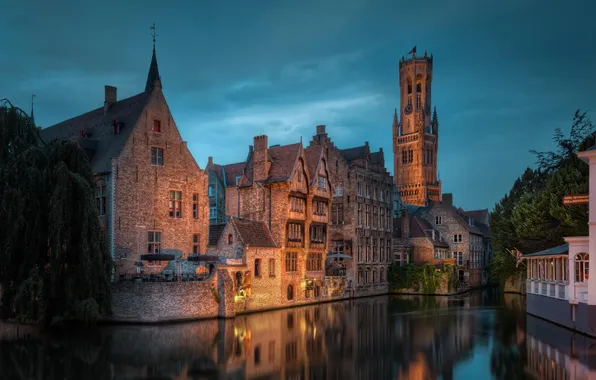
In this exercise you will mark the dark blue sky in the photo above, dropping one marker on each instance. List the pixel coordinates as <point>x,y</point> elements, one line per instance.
<point>506,74</point>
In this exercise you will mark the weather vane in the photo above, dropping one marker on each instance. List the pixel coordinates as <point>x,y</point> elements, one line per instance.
<point>153,34</point>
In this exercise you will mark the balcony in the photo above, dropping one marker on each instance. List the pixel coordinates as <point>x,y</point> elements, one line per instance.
<point>557,289</point>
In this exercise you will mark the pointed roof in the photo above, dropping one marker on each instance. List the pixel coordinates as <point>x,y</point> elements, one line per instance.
<point>98,127</point>
<point>153,75</point>
<point>395,122</point>
<point>231,171</point>
<point>313,154</point>
<point>282,159</point>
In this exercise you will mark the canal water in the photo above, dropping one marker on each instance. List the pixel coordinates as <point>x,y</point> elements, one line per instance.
<point>473,336</point>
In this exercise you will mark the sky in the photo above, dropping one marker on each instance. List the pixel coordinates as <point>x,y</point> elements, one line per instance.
<point>506,73</point>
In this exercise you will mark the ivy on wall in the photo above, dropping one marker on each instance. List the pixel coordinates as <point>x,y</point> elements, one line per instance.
<point>426,278</point>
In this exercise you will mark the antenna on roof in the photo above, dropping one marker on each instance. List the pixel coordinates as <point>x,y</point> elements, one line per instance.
<point>153,34</point>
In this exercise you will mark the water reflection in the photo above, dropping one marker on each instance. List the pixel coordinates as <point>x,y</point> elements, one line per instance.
<point>371,338</point>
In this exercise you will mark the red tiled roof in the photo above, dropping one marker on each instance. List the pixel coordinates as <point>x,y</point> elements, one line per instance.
<point>232,171</point>
<point>253,233</point>
<point>313,156</point>
<point>282,159</point>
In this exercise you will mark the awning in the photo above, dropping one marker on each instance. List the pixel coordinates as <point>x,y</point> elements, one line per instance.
<point>209,258</point>
<point>157,257</point>
<point>338,256</point>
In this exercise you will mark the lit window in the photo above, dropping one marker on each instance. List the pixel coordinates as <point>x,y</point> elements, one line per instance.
<point>582,267</point>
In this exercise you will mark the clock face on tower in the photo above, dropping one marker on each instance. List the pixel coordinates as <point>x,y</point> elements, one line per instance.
<point>408,109</point>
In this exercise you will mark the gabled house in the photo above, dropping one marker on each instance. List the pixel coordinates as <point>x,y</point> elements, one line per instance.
<point>361,214</point>
<point>151,194</point>
<point>288,189</point>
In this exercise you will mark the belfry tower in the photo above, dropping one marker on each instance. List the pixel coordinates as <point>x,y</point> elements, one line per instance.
<point>416,134</point>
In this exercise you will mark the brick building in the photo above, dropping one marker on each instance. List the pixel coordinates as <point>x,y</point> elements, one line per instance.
<point>361,212</point>
<point>287,190</point>
<point>416,135</point>
<point>442,232</point>
<point>151,193</point>
<point>223,190</point>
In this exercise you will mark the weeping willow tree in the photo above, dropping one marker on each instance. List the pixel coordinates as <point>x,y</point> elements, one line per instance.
<point>54,263</point>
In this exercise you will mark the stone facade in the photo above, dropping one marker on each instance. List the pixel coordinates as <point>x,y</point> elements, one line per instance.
<point>416,135</point>
<point>361,213</point>
<point>151,194</point>
<point>165,301</point>
<point>443,233</point>
<point>144,192</point>
<point>288,189</point>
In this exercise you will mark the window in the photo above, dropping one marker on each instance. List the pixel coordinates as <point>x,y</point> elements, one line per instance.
<point>157,126</point>
<point>100,199</point>
<point>381,195</point>
<point>211,191</point>
<point>176,204</point>
<point>382,218</point>
<point>409,86</point>
<point>320,208</point>
<point>291,262</point>
<point>314,262</point>
<point>339,190</point>
<point>213,213</point>
<point>359,189</point>
<point>195,206</point>
<point>299,175</point>
<point>157,156</point>
<point>238,179</point>
<point>154,240</point>
<point>317,233</point>
<point>271,267</point>
<point>196,244</point>
<point>457,238</point>
<point>322,183</point>
<point>337,213</point>
<point>410,155</point>
<point>290,297</point>
<point>438,220</point>
<point>294,232</point>
<point>367,216</point>
<point>230,239</point>
<point>257,267</point>
<point>257,354</point>
<point>418,86</point>
<point>459,258</point>
<point>582,267</point>
<point>360,214</point>
<point>367,191</point>
<point>296,204</point>
<point>418,101</point>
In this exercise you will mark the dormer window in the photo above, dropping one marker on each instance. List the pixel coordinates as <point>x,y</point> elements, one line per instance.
<point>438,220</point>
<point>322,183</point>
<point>471,221</point>
<point>238,179</point>
<point>157,126</point>
<point>116,126</point>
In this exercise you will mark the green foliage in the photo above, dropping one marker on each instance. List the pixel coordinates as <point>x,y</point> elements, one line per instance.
<point>426,278</point>
<point>531,217</point>
<point>54,261</point>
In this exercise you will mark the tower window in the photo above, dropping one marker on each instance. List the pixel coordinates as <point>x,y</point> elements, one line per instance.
<point>409,85</point>
<point>410,155</point>
<point>409,100</point>
<point>418,101</point>
<point>418,86</point>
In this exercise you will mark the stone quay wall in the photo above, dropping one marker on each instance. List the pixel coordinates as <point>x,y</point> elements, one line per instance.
<point>153,302</point>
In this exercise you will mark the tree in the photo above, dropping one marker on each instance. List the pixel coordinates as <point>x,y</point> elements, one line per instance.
<point>531,217</point>
<point>54,261</point>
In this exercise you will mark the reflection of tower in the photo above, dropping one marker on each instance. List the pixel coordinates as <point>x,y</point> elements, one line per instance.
<point>416,136</point>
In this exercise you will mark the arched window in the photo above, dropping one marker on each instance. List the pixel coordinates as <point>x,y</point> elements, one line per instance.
<point>230,239</point>
<point>409,85</point>
<point>382,279</point>
<point>418,86</point>
<point>290,292</point>
<point>360,277</point>
<point>582,267</point>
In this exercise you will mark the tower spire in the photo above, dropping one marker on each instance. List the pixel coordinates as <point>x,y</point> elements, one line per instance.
<point>153,77</point>
<point>32,116</point>
<point>435,122</point>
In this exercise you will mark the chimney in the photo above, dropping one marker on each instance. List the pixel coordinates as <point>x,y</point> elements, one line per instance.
<point>110,98</point>
<point>260,158</point>
<point>434,234</point>
<point>320,129</point>
<point>210,161</point>
<point>447,199</point>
